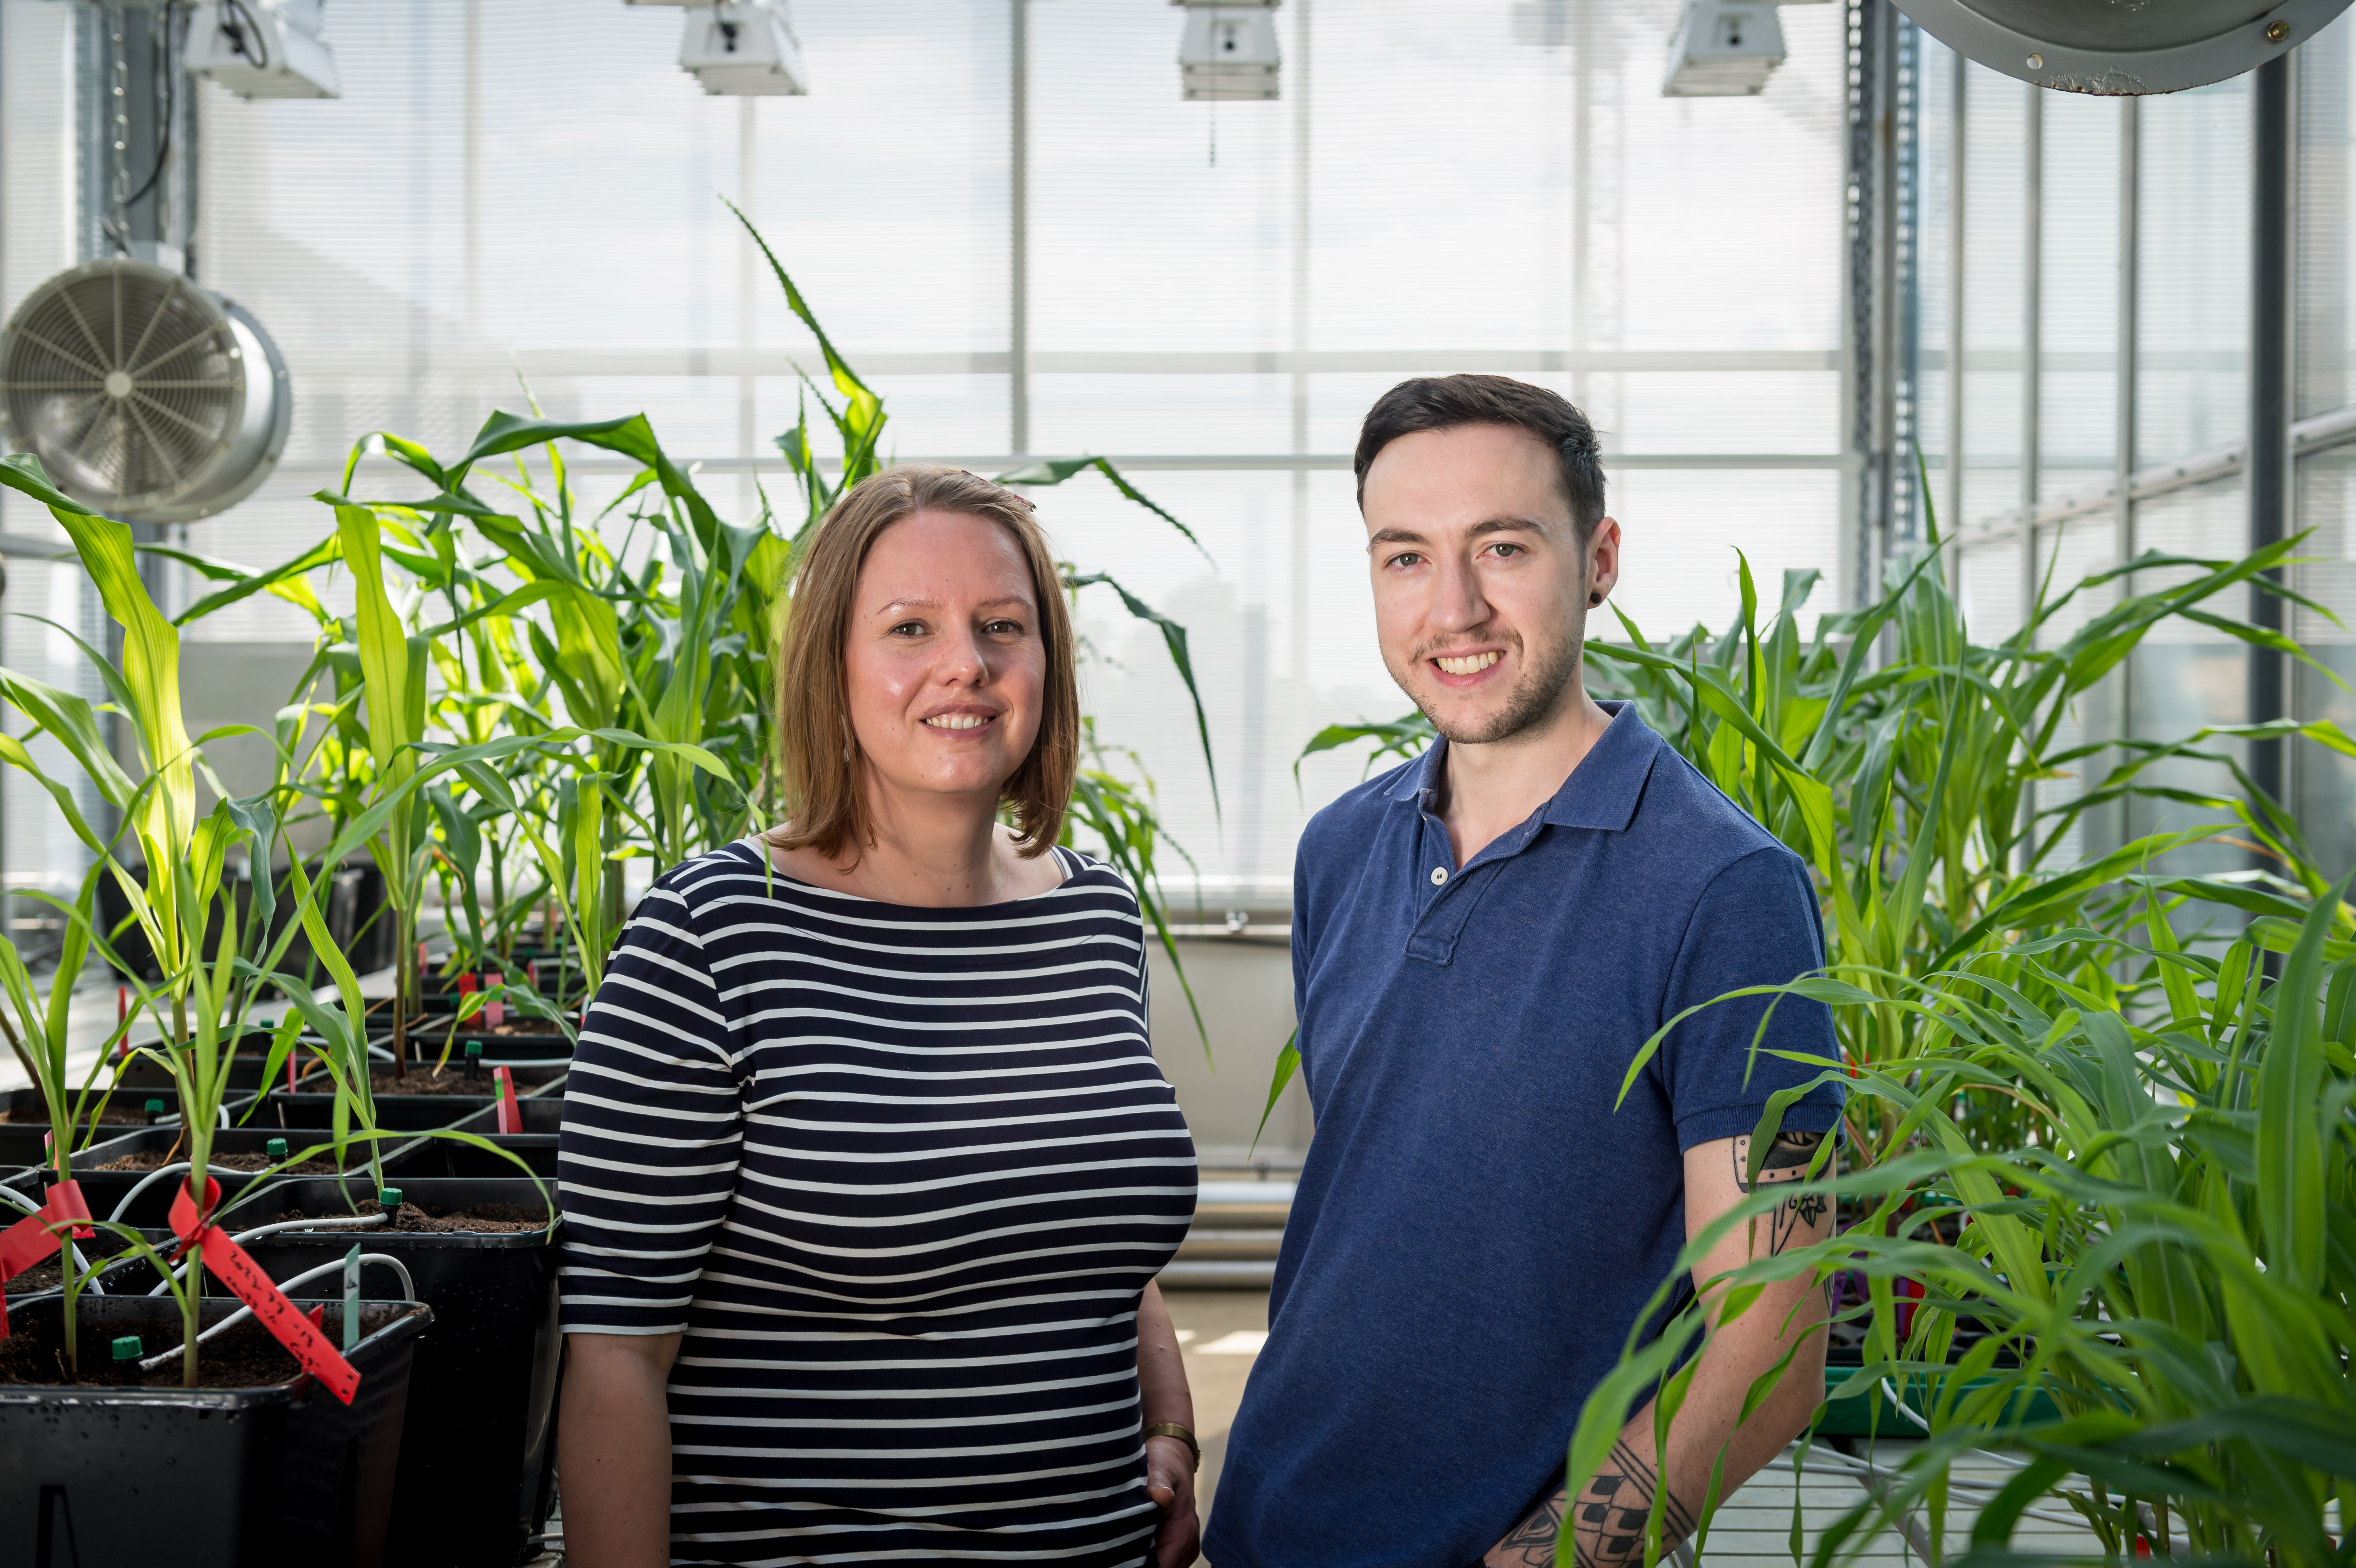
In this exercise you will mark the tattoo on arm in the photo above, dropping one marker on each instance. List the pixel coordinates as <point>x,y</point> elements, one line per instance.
<point>1530,1543</point>
<point>1609,1520</point>
<point>1787,1159</point>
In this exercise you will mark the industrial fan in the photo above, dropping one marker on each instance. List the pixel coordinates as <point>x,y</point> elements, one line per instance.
<point>2117,48</point>
<point>143,395</point>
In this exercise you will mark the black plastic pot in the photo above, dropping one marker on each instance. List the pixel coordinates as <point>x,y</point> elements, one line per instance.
<point>203,1477</point>
<point>394,1113</point>
<point>543,1113</point>
<point>448,1158</point>
<point>477,1458</point>
<point>142,1077</point>
<point>25,1107</point>
<point>26,1148</point>
<point>226,1140</point>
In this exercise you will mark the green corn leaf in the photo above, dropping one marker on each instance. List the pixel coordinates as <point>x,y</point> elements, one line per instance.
<point>1056,470</point>
<point>1287,1062</point>
<point>383,643</point>
<point>2291,1182</point>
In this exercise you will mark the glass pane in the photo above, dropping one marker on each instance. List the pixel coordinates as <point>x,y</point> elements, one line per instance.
<point>2325,213</point>
<point>1934,285</point>
<point>2077,409</point>
<point>2192,256</point>
<point>1994,269</point>
<point>2185,675</point>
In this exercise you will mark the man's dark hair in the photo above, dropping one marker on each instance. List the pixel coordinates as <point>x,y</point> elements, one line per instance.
<point>1448,402</point>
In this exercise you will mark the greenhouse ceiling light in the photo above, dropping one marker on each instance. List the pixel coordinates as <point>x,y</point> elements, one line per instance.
<point>1229,51</point>
<point>264,48</point>
<point>1723,49</point>
<point>745,49</point>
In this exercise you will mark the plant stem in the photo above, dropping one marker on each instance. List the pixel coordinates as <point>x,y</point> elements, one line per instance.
<point>404,974</point>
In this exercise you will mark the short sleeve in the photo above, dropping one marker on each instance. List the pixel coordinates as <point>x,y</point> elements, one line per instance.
<point>1755,924</point>
<point>653,1128</point>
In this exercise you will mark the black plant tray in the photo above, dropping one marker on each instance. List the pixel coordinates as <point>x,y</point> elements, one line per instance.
<point>204,1478</point>
<point>448,1158</point>
<point>226,1140</point>
<point>25,1149</point>
<point>478,1460</point>
<point>543,1113</point>
<point>26,1108</point>
<point>394,1113</point>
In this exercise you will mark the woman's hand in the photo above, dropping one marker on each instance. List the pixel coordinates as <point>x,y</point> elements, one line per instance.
<point>1169,1481</point>
<point>1169,1463</point>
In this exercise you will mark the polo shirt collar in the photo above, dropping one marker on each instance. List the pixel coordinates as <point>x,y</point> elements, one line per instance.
<point>1601,794</point>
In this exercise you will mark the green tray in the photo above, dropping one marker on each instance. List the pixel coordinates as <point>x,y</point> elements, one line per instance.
<point>1869,1414</point>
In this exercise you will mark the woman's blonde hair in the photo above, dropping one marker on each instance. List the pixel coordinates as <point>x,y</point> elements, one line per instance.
<point>818,754</point>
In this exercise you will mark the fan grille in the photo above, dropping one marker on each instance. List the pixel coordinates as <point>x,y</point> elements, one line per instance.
<point>125,380</point>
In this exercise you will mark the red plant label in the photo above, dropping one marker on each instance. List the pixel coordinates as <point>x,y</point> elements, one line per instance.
<point>510,1114</point>
<point>235,1268</point>
<point>31,1238</point>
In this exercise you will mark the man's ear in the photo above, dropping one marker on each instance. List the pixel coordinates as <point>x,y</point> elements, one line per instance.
<point>1601,562</point>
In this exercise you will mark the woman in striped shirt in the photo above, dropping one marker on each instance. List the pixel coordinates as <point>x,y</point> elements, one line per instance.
<point>867,1168</point>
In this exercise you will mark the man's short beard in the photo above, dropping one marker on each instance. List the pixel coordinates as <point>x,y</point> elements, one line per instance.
<point>1532,700</point>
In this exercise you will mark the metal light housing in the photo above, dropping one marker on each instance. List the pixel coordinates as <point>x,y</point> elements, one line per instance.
<point>744,50</point>
<point>1723,49</point>
<point>1228,53</point>
<point>264,48</point>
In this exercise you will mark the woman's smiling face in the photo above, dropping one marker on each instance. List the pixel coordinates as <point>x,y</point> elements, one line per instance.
<point>946,668</point>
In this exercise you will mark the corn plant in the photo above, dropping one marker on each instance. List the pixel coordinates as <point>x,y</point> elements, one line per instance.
<point>2146,1305</point>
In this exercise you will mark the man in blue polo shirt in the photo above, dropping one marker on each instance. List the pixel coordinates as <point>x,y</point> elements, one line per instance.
<point>1482,941</point>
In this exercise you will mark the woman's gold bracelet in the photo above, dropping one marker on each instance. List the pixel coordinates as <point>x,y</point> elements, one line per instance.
<point>1183,1434</point>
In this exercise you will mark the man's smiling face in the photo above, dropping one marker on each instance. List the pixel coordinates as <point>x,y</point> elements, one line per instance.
<point>1481,581</point>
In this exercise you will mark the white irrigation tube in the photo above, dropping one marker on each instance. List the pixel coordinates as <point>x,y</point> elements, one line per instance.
<point>350,1222</point>
<point>93,1287</point>
<point>408,1286</point>
<point>156,1175</point>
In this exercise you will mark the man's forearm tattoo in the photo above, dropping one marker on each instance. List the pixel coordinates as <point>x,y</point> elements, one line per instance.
<point>1530,1544</point>
<point>1608,1530</point>
<point>1608,1523</point>
<point>1787,1159</point>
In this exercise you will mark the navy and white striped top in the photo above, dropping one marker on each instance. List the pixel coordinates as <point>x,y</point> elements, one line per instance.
<point>899,1176</point>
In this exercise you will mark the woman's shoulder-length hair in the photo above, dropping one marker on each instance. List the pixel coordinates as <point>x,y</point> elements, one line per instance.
<point>818,755</point>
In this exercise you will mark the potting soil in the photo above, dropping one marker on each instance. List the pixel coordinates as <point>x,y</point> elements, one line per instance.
<point>493,1219</point>
<point>50,1275</point>
<point>157,1159</point>
<point>450,1080</point>
<point>117,1115</point>
<point>242,1357</point>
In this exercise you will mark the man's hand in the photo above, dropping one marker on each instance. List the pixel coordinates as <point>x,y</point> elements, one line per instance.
<point>1169,1482</point>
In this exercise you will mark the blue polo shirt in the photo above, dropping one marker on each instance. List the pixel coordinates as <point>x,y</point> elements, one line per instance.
<point>1477,1228</point>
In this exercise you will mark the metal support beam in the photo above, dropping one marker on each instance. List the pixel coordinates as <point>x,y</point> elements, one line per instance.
<point>1951,511</point>
<point>2267,474</point>
<point>2123,519</point>
<point>1018,227</point>
<point>2032,339</point>
<point>1303,83</point>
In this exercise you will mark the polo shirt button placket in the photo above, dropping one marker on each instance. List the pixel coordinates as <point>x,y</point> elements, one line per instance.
<point>1440,876</point>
